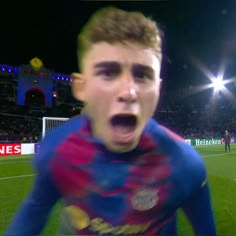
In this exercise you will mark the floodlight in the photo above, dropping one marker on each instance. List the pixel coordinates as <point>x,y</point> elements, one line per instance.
<point>218,83</point>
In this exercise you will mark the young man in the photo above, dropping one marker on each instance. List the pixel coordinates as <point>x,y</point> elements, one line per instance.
<point>227,140</point>
<point>118,171</point>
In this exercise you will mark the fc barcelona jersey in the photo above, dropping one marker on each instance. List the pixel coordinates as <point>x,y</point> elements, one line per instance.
<point>107,193</point>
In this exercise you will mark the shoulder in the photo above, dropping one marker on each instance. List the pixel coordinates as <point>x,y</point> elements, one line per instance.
<point>183,157</point>
<point>162,135</point>
<point>54,138</point>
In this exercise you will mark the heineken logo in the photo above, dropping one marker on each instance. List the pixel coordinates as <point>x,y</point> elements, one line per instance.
<point>203,142</point>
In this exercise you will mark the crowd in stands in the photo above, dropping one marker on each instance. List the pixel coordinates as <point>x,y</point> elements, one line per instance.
<point>199,123</point>
<point>24,123</point>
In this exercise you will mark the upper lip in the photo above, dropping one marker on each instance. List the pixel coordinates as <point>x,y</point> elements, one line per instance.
<point>124,114</point>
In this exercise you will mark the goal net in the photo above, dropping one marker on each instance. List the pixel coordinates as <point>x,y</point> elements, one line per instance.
<point>50,123</point>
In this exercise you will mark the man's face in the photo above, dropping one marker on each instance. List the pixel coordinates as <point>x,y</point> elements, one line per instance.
<point>120,86</point>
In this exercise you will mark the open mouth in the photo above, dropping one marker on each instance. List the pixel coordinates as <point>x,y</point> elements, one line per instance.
<point>124,124</point>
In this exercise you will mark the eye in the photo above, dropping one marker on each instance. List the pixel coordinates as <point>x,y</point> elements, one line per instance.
<point>142,76</point>
<point>107,74</point>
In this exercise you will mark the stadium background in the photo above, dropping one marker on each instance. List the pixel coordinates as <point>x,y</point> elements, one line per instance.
<point>199,41</point>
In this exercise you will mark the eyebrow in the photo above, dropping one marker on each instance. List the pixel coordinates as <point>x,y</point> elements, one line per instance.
<point>107,64</point>
<point>143,67</point>
<point>115,64</point>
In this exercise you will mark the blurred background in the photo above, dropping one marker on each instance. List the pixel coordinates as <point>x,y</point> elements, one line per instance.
<point>38,54</point>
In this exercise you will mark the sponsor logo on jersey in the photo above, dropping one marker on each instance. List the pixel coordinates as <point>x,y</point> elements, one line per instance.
<point>81,220</point>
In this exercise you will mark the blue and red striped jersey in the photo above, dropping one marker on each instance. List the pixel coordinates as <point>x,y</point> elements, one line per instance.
<point>107,193</point>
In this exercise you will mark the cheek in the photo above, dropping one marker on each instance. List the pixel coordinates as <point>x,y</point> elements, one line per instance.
<point>151,95</point>
<point>97,98</point>
<point>99,92</point>
<point>150,100</point>
<point>91,91</point>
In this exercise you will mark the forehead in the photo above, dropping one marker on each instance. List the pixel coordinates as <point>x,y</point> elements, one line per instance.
<point>125,54</point>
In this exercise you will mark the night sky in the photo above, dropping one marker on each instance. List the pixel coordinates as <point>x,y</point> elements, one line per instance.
<point>193,30</point>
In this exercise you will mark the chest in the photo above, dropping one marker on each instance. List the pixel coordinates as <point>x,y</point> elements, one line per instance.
<point>140,184</point>
<point>114,195</point>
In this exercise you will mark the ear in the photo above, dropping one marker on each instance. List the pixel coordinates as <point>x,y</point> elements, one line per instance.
<point>78,86</point>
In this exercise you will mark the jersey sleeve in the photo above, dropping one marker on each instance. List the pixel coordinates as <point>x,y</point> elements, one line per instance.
<point>199,212</point>
<point>198,207</point>
<point>33,214</point>
<point>34,211</point>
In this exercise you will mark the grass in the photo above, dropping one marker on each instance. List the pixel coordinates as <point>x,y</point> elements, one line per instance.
<point>221,169</point>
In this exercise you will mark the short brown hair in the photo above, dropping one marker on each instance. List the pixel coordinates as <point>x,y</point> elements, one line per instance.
<point>114,25</point>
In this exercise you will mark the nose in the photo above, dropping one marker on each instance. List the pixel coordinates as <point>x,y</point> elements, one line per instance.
<point>128,91</point>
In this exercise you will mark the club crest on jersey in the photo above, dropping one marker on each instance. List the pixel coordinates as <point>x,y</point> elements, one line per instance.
<point>144,199</point>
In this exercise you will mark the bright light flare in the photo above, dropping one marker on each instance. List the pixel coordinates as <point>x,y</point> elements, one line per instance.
<point>218,83</point>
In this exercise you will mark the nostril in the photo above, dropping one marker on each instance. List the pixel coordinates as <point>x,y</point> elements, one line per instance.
<point>126,99</point>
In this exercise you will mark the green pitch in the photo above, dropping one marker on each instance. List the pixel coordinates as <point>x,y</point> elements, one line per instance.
<point>16,176</point>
